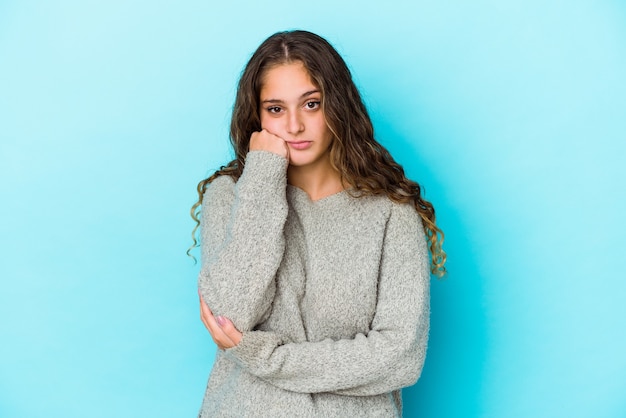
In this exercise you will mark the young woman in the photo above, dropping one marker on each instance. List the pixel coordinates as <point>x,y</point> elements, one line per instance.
<point>315,264</point>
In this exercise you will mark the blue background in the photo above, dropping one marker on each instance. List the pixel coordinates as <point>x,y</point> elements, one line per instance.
<point>511,114</point>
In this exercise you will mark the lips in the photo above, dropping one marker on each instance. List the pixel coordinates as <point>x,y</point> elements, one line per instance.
<point>300,145</point>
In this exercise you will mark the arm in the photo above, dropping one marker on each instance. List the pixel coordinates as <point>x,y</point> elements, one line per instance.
<point>242,239</point>
<point>388,357</point>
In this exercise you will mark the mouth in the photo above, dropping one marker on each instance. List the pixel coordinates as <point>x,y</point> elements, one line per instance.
<point>300,145</point>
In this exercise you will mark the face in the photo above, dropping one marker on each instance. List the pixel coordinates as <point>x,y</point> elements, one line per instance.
<point>291,109</point>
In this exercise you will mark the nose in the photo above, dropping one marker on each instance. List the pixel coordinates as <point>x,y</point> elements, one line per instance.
<point>295,124</point>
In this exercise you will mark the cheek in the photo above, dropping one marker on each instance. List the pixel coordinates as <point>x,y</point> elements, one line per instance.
<point>325,132</point>
<point>269,124</point>
<point>318,126</point>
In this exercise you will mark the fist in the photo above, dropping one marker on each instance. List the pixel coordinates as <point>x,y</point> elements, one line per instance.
<point>266,141</point>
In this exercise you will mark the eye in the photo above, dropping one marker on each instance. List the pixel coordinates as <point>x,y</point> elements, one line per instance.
<point>312,104</point>
<point>274,109</point>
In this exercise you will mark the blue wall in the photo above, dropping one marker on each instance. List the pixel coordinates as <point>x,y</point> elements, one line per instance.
<point>511,114</point>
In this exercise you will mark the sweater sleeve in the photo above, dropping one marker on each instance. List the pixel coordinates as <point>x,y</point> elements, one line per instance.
<point>242,239</point>
<point>388,357</point>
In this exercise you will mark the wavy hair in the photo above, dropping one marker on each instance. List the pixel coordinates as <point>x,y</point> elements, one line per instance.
<point>362,162</point>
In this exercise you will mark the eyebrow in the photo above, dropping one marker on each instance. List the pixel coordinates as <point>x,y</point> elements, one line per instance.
<point>307,94</point>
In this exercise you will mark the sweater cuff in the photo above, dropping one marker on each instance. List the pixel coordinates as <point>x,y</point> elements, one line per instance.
<point>265,167</point>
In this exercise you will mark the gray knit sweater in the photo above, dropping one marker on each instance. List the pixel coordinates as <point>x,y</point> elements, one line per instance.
<point>332,297</point>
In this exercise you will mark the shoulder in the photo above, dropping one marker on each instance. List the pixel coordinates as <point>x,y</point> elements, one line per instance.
<point>395,220</point>
<point>405,212</point>
<point>220,189</point>
<point>402,222</point>
<point>222,182</point>
<point>405,224</point>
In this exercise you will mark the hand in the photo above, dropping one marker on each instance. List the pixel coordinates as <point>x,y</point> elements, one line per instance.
<point>266,141</point>
<point>222,330</point>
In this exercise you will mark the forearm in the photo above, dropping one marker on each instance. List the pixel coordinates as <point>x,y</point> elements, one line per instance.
<point>243,243</point>
<point>365,365</point>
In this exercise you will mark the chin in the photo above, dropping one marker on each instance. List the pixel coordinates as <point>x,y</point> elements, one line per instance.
<point>301,159</point>
<point>298,162</point>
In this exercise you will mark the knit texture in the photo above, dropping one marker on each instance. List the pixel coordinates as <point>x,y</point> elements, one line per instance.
<point>332,297</point>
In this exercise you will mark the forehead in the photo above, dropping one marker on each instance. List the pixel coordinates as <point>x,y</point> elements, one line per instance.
<point>286,80</point>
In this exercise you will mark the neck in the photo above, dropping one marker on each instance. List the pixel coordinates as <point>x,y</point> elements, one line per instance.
<point>317,181</point>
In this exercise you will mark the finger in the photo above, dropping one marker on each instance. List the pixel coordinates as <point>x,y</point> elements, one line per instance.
<point>229,329</point>
<point>268,132</point>
<point>274,136</point>
<point>218,336</point>
<point>204,308</point>
<point>267,141</point>
<point>205,312</point>
<point>221,339</point>
<point>281,140</point>
<point>208,319</point>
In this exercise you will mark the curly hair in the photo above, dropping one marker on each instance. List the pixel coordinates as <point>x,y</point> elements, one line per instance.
<point>362,162</point>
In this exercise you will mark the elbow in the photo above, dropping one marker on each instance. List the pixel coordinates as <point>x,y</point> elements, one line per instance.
<point>246,320</point>
<point>410,361</point>
<point>244,313</point>
<point>414,367</point>
<point>407,369</point>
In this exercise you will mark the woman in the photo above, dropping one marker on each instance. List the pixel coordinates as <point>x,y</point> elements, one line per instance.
<point>315,267</point>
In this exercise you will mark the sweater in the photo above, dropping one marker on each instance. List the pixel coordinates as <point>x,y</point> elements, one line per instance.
<point>332,297</point>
